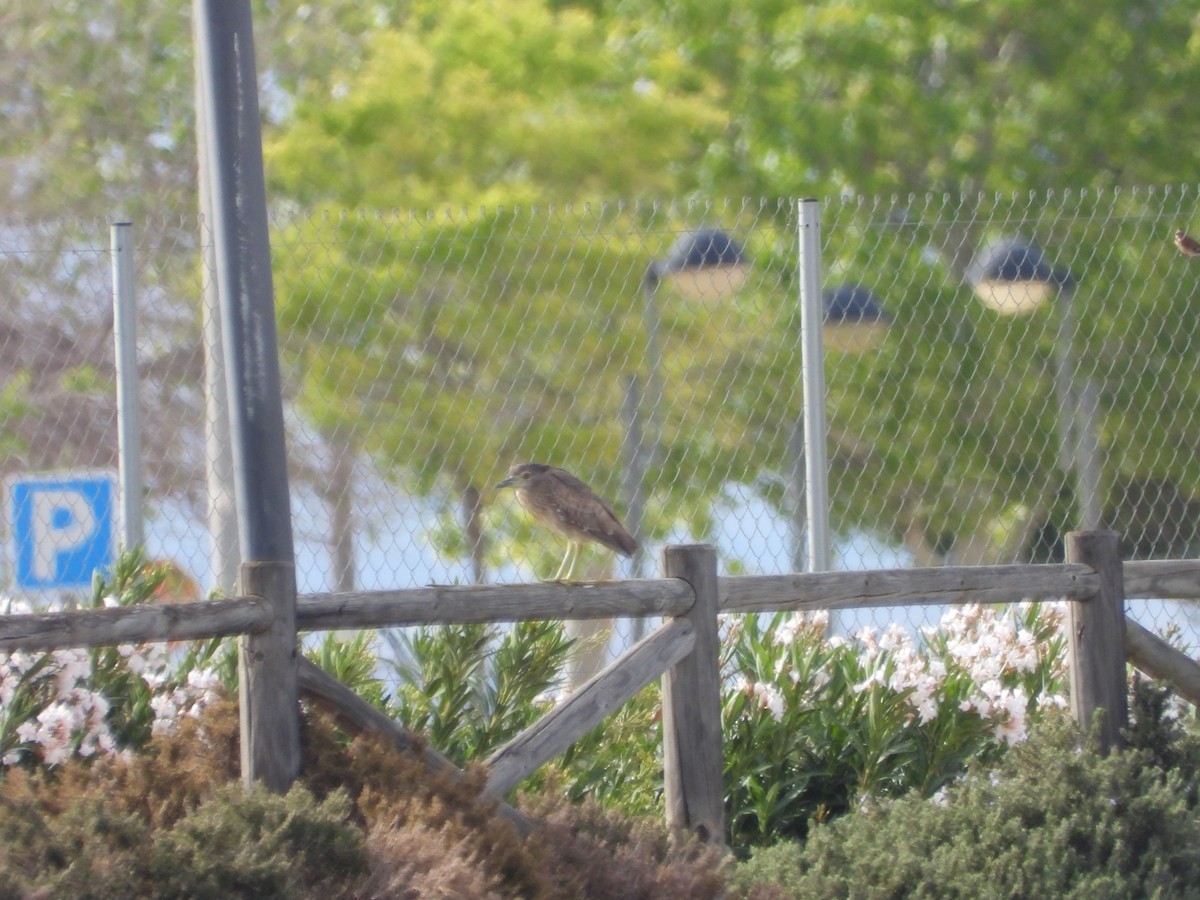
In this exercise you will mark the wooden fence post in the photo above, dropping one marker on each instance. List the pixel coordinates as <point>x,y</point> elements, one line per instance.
<point>693,761</point>
<point>268,686</point>
<point>1096,638</point>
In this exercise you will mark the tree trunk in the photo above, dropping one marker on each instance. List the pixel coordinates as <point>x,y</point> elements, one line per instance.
<point>472,500</point>
<point>339,495</point>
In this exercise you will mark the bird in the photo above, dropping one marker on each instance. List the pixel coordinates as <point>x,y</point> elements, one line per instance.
<point>559,500</point>
<point>1187,245</point>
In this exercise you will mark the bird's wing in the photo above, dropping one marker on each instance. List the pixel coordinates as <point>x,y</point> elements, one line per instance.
<point>585,509</point>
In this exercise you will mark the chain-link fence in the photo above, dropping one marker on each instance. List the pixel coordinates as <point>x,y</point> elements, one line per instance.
<point>999,370</point>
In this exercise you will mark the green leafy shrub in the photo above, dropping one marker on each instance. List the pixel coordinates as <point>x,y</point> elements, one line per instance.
<point>813,726</point>
<point>816,726</point>
<point>1049,820</point>
<point>469,688</point>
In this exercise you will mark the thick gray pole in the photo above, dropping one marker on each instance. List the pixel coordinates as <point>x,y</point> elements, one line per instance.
<point>268,690</point>
<point>129,419</point>
<point>221,512</point>
<point>812,354</point>
<point>225,44</point>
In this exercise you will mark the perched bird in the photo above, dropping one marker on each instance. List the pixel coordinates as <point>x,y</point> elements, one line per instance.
<point>560,500</point>
<point>1188,246</point>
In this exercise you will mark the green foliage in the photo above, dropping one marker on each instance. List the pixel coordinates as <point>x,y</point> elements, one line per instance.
<point>118,673</point>
<point>234,844</point>
<point>1049,820</point>
<point>487,107</point>
<point>351,660</point>
<point>898,96</point>
<point>259,844</point>
<point>618,764</point>
<point>469,688</point>
<point>814,727</point>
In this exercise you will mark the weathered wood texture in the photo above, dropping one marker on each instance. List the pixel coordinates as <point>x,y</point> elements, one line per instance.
<point>268,694</point>
<point>358,715</point>
<point>133,624</point>
<point>1158,659</point>
<point>617,683</point>
<point>452,604</point>
<point>1096,638</point>
<point>599,600</point>
<point>692,749</point>
<point>1163,579</point>
<point>905,587</point>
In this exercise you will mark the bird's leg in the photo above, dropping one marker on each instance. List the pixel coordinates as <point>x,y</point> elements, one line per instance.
<point>577,552</point>
<point>563,566</point>
<point>566,572</point>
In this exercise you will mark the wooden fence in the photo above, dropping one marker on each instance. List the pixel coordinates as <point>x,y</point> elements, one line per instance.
<point>684,651</point>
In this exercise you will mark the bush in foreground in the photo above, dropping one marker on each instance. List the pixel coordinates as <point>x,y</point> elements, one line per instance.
<point>1051,820</point>
<point>365,821</point>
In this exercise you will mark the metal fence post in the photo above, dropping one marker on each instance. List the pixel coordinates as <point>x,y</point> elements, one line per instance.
<point>812,351</point>
<point>220,512</point>
<point>1096,638</point>
<point>129,420</point>
<point>693,764</point>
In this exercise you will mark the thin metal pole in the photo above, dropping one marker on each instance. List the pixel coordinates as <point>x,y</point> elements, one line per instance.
<point>812,351</point>
<point>225,44</point>
<point>129,420</point>
<point>1078,419</point>
<point>633,480</point>
<point>653,396</point>
<point>797,511</point>
<point>634,453</point>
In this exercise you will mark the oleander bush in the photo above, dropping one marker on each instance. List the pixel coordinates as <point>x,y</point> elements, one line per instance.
<point>813,726</point>
<point>1053,818</point>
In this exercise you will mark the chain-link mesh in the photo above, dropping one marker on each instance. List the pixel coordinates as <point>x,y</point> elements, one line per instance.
<point>424,355</point>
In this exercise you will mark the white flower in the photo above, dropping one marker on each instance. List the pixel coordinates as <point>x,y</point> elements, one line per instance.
<point>769,698</point>
<point>786,633</point>
<point>73,666</point>
<point>927,709</point>
<point>876,677</point>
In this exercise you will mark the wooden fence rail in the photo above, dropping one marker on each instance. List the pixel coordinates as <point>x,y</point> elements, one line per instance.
<point>683,651</point>
<point>456,605</point>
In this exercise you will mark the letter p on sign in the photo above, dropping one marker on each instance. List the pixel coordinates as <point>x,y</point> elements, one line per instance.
<point>62,528</point>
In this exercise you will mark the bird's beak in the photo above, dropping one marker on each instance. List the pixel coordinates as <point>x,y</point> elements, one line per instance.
<point>507,482</point>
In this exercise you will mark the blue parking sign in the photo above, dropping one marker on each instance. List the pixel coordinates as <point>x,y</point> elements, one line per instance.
<point>62,527</point>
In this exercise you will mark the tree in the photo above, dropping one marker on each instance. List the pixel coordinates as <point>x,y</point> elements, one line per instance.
<point>99,126</point>
<point>454,345</point>
<point>934,440</point>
